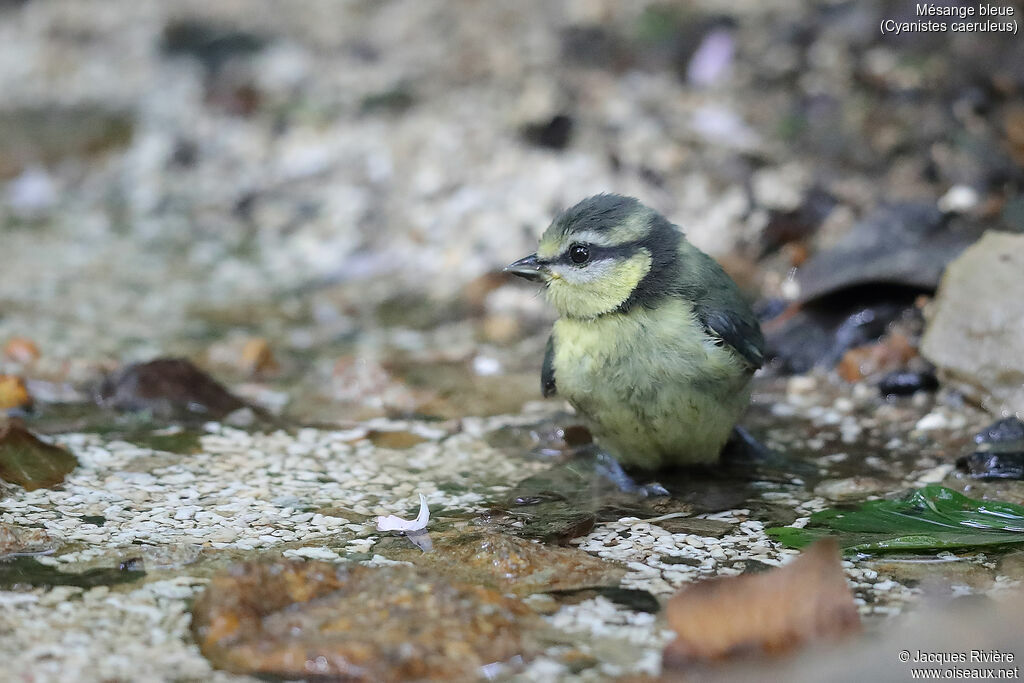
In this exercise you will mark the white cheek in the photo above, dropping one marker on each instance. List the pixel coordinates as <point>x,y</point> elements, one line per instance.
<point>582,276</point>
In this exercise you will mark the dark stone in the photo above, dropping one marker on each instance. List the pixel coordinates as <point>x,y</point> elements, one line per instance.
<point>756,567</point>
<point>552,134</point>
<point>993,465</point>
<point>1001,431</point>
<point>132,564</point>
<point>167,388</point>
<point>907,383</point>
<point>211,44</point>
<point>906,245</point>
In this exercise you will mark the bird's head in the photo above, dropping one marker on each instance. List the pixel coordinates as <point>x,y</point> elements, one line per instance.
<point>604,254</point>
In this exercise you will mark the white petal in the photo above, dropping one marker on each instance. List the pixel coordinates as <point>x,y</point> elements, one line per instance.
<point>395,523</point>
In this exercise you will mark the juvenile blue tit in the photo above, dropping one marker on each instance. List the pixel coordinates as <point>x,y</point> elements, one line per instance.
<point>655,346</point>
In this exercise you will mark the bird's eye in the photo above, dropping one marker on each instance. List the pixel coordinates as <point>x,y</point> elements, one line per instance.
<point>579,253</point>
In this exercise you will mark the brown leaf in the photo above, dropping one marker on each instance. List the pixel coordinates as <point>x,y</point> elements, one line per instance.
<point>763,614</point>
<point>29,462</point>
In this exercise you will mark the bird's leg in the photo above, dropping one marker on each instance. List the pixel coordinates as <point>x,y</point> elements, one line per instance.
<point>609,468</point>
<point>742,446</point>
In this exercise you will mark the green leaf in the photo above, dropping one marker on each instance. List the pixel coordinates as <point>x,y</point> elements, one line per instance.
<point>930,518</point>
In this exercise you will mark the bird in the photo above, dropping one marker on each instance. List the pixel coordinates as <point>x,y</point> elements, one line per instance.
<point>655,346</point>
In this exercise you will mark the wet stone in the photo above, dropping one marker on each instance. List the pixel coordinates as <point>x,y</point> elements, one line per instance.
<point>29,462</point>
<point>1010,429</point>
<point>905,383</point>
<point>993,465</point>
<point>907,245</point>
<point>168,388</point>
<point>975,333</point>
<point>15,540</point>
<point>303,619</point>
<point>552,134</point>
<point>506,563</point>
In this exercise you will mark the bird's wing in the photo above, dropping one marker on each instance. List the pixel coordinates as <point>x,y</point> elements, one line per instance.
<point>547,372</point>
<point>743,335</point>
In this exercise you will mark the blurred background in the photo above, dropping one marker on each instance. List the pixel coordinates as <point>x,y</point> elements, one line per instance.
<point>319,198</point>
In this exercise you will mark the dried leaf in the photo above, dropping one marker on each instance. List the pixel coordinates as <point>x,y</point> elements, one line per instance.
<point>763,614</point>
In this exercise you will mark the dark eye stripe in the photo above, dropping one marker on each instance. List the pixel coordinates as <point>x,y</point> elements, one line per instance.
<point>597,253</point>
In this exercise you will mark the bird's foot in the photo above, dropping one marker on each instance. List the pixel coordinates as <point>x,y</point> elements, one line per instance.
<point>609,468</point>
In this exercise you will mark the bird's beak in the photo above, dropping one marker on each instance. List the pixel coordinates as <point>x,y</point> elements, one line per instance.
<point>529,268</point>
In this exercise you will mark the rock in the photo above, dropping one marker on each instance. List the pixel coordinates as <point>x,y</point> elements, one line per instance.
<point>314,619</point>
<point>507,563</point>
<point>767,613</point>
<point>16,540</point>
<point>993,465</point>
<point>13,393</point>
<point>999,454</point>
<point>975,332</point>
<point>29,462</point>
<point>169,389</point>
<point>903,244</point>
<point>1010,429</point>
<point>211,44</point>
<point>907,383</point>
<point>552,134</point>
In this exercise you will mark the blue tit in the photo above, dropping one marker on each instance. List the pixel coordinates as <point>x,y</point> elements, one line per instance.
<point>654,346</point>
